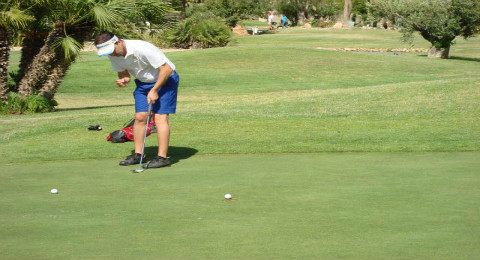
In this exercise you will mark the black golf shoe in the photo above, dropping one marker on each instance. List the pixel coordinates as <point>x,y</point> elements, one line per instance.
<point>132,159</point>
<point>157,162</point>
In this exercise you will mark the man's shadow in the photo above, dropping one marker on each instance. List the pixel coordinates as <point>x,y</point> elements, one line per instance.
<point>175,153</point>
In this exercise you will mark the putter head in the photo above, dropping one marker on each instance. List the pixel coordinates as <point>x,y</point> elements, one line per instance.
<point>137,170</point>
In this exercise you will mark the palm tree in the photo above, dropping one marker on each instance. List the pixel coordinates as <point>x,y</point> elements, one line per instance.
<point>74,22</point>
<point>34,34</point>
<point>11,18</point>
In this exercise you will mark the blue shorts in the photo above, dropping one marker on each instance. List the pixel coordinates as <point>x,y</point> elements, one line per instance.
<point>167,96</point>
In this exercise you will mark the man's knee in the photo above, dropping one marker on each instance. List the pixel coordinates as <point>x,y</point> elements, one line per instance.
<point>140,118</point>
<point>161,118</point>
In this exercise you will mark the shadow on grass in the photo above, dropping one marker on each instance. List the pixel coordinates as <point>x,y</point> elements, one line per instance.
<point>92,107</point>
<point>175,153</point>
<point>456,58</point>
<point>464,58</point>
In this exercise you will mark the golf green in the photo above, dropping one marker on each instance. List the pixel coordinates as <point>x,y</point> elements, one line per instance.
<point>285,206</point>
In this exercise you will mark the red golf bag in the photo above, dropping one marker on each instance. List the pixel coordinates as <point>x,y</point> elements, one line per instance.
<point>126,133</point>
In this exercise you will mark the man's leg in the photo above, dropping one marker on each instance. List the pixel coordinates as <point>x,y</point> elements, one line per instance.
<point>139,130</point>
<point>138,135</point>
<point>166,105</point>
<point>163,134</point>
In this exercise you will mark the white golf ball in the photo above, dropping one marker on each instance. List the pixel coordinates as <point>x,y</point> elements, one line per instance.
<point>54,191</point>
<point>228,196</point>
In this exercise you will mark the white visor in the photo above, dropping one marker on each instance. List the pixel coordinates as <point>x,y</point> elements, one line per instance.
<point>107,47</point>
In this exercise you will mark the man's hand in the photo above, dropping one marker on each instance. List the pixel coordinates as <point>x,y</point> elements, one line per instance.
<point>152,96</point>
<point>123,78</point>
<point>122,82</point>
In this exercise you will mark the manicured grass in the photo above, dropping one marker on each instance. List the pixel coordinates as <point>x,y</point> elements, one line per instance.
<point>287,206</point>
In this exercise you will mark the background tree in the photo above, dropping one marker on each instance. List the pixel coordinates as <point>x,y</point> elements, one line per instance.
<point>437,21</point>
<point>71,23</point>
<point>12,17</point>
<point>302,11</point>
<point>57,31</point>
<point>233,11</point>
<point>347,11</point>
<point>299,11</point>
<point>359,9</point>
<point>327,9</point>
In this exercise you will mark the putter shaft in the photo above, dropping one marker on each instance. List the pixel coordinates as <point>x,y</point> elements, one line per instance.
<point>140,169</point>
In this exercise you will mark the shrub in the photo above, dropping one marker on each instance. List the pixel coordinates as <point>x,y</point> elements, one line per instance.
<point>157,38</point>
<point>201,30</point>
<point>233,11</point>
<point>36,103</point>
<point>322,24</point>
<point>17,104</point>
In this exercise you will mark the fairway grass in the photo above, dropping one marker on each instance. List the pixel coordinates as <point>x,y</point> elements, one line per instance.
<point>303,206</point>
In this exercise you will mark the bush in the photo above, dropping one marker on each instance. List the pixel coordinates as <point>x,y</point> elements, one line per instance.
<point>329,11</point>
<point>322,24</point>
<point>157,38</point>
<point>16,104</point>
<point>233,11</point>
<point>201,30</point>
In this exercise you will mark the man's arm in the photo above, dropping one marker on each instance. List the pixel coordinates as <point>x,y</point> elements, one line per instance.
<point>164,73</point>
<point>123,78</point>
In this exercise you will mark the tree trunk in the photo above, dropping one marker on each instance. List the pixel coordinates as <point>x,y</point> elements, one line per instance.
<point>4,55</point>
<point>31,46</point>
<point>301,17</point>
<point>302,14</point>
<point>55,77</point>
<point>435,52</point>
<point>347,11</point>
<point>37,72</point>
<point>59,65</point>
<point>184,6</point>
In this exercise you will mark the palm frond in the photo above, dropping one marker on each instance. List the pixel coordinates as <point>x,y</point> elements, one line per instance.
<point>70,47</point>
<point>105,17</point>
<point>15,18</point>
<point>152,10</point>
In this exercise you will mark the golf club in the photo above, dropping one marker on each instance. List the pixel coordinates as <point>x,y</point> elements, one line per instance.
<point>140,169</point>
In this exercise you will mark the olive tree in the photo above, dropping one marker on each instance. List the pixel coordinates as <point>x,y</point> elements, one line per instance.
<point>437,21</point>
<point>298,11</point>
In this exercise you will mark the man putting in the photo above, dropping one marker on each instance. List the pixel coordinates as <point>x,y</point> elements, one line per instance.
<point>157,84</point>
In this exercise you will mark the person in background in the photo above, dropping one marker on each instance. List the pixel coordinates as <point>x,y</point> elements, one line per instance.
<point>284,21</point>
<point>270,20</point>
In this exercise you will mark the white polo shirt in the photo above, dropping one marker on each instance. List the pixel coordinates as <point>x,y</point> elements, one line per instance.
<point>142,61</point>
<point>270,19</point>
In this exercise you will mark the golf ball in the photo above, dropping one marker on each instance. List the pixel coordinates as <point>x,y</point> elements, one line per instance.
<point>228,196</point>
<point>54,191</point>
